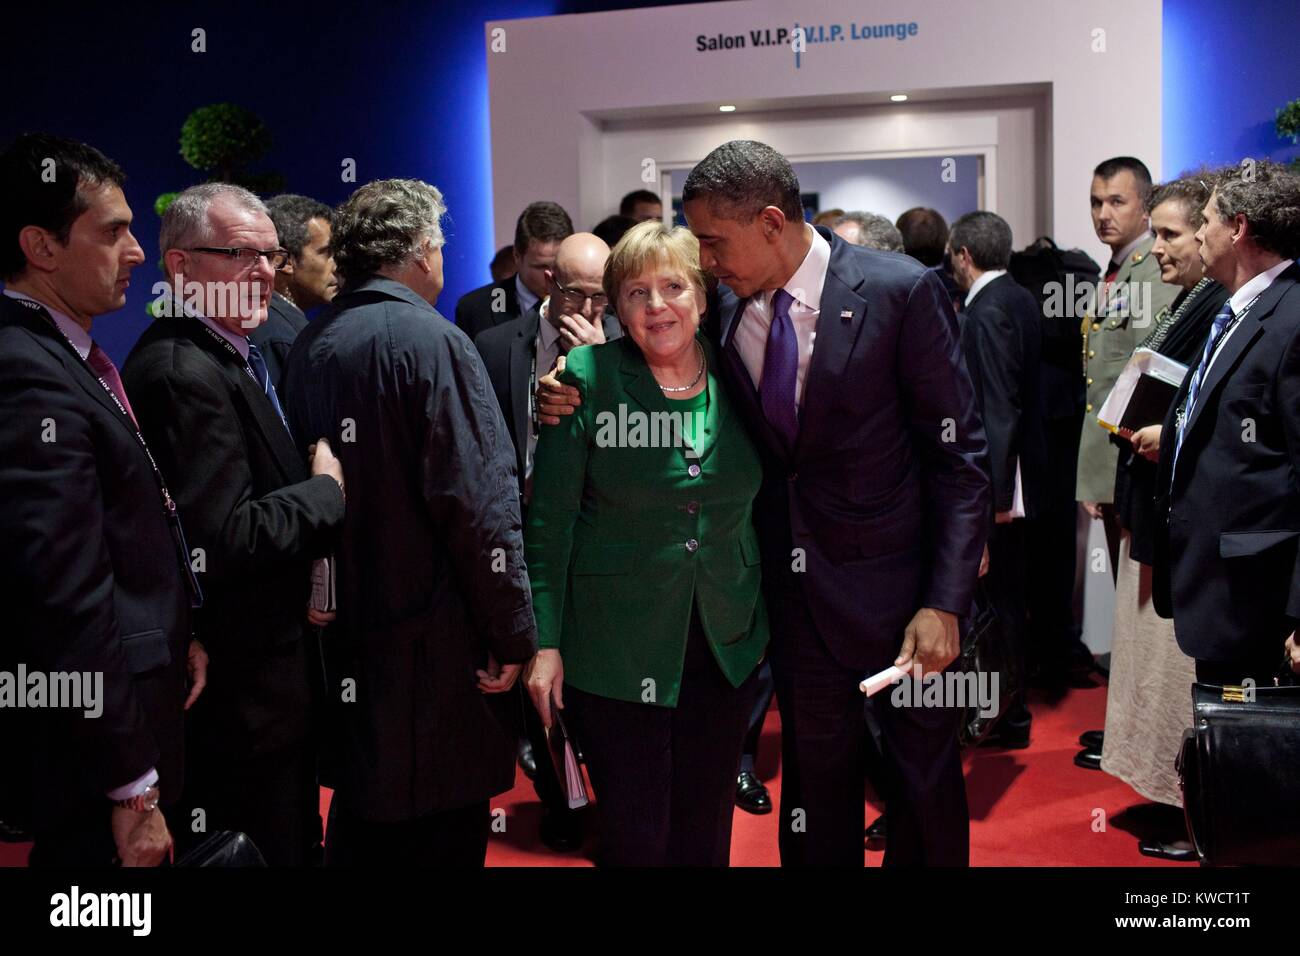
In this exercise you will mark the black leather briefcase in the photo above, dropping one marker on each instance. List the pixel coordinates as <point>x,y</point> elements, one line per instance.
<point>1239,769</point>
<point>223,848</point>
<point>984,651</point>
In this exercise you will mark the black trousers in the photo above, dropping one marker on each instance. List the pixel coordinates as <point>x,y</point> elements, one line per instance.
<point>762,701</point>
<point>273,798</point>
<point>824,746</point>
<point>665,778</point>
<point>451,838</point>
<point>1051,551</point>
<point>1110,524</point>
<point>1008,589</point>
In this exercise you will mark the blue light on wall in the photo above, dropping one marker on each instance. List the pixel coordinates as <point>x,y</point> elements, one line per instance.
<point>402,89</point>
<point>1227,68</point>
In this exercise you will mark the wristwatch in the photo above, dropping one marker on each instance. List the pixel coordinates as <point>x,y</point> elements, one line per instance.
<point>145,802</point>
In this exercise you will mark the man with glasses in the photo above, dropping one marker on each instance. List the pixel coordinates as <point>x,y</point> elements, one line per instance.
<point>256,515</point>
<point>516,354</point>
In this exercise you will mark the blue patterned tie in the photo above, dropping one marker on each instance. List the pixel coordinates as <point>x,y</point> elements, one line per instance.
<point>258,365</point>
<point>780,368</point>
<point>1221,322</point>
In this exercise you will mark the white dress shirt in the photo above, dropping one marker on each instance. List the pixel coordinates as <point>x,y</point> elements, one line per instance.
<point>526,298</point>
<point>1243,297</point>
<point>806,287</point>
<point>239,342</point>
<point>984,279</point>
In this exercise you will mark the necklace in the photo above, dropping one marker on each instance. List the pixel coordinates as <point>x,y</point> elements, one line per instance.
<point>1166,321</point>
<point>695,381</point>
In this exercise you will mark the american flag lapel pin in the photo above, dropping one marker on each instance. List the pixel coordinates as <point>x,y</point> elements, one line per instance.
<point>846,314</point>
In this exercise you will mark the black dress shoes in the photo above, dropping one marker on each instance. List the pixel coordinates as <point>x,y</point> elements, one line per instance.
<point>751,795</point>
<point>11,834</point>
<point>561,830</point>
<point>527,759</point>
<point>1088,759</point>
<point>875,835</point>
<point>1091,739</point>
<point>1180,853</point>
<point>1007,737</point>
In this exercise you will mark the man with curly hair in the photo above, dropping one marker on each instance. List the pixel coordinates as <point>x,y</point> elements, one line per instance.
<point>432,589</point>
<point>1228,523</point>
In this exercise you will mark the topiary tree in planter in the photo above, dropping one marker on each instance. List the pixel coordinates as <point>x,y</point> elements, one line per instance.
<point>1288,124</point>
<point>224,140</point>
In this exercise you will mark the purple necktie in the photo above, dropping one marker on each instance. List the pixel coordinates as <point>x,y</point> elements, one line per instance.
<point>103,367</point>
<point>780,368</point>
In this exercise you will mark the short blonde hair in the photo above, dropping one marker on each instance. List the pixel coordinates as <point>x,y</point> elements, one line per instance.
<point>650,244</point>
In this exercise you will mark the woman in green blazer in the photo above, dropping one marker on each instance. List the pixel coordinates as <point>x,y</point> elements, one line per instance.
<point>645,566</point>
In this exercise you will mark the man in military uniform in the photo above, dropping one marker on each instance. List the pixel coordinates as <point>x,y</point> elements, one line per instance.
<point>1127,301</point>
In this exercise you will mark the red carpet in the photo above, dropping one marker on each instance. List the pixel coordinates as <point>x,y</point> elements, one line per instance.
<point>1028,807</point>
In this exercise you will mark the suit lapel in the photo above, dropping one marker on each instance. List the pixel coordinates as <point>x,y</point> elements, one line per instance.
<point>719,409</point>
<point>294,319</point>
<point>1252,327</point>
<point>39,321</point>
<point>640,384</point>
<point>522,353</point>
<point>743,391</point>
<point>256,402</point>
<point>839,323</point>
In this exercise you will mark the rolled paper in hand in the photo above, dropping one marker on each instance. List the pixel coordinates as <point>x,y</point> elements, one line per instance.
<point>878,682</point>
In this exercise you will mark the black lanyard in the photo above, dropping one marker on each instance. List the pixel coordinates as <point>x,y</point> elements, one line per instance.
<point>169,506</point>
<point>234,353</point>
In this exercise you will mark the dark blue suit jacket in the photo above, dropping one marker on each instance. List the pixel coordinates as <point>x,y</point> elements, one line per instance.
<point>885,490</point>
<point>1228,516</point>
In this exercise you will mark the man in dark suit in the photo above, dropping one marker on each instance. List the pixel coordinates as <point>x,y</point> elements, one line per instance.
<point>306,280</point>
<point>256,519</point>
<point>515,355</point>
<point>93,579</point>
<point>1002,342</point>
<point>435,616</point>
<point>540,229</point>
<point>1226,555</point>
<point>873,513</point>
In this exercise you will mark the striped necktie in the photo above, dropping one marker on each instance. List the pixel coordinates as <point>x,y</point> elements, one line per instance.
<point>263,376</point>
<point>1221,322</point>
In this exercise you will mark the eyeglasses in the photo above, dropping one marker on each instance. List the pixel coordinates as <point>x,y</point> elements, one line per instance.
<point>277,258</point>
<point>575,298</point>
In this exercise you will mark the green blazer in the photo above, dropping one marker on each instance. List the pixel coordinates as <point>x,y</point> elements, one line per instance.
<point>627,529</point>
<point>1109,340</point>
